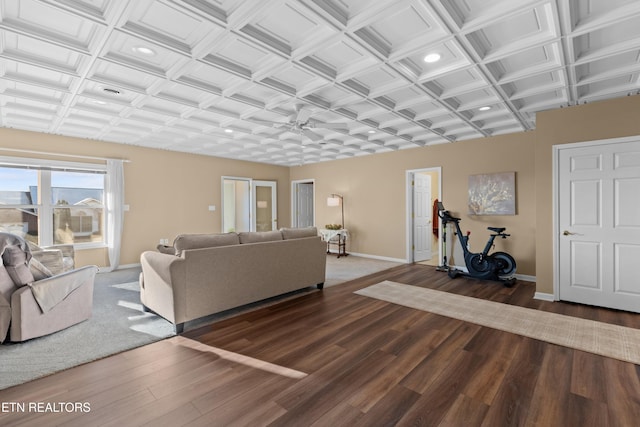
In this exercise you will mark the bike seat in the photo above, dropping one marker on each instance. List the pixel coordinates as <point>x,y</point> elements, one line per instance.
<point>496,229</point>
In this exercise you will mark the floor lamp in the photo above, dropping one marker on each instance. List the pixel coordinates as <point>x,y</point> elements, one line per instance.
<point>337,200</point>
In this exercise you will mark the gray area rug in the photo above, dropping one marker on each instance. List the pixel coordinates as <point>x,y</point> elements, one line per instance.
<point>618,342</point>
<point>343,269</point>
<point>117,324</point>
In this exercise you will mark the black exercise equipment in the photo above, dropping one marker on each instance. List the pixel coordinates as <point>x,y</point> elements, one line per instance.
<point>496,266</point>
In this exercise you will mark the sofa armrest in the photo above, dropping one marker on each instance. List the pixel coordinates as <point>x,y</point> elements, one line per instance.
<point>163,284</point>
<point>51,291</point>
<point>27,319</point>
<point>164,266</point>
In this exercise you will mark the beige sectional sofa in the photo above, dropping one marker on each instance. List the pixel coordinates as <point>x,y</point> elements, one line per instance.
<point>204,274</point>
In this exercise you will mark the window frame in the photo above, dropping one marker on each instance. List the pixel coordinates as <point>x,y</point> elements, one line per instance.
<point>45,206</point>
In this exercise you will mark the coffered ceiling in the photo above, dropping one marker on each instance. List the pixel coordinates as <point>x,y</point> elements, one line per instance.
<point>290,82</point>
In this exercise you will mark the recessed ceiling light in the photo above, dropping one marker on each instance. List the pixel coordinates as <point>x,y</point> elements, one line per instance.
<point>485,108</point>
<point>371,131</point>
<point>432,57</point>
<point>97,101</point>
<point>146,51</point>
<point>228,130</point>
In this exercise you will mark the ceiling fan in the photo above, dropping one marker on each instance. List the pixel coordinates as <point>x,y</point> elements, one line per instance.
<point>300,123</point>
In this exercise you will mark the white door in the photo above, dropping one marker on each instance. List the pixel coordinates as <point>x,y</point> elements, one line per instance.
<point>599,224</point>
<point>304,205</point>
<point>422,211</point>
<point>264,206</point>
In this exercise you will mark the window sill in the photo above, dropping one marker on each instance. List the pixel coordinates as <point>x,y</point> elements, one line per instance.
<point>86,246</point>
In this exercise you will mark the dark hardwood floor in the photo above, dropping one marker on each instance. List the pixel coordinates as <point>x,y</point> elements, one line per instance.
<point>333,358</point>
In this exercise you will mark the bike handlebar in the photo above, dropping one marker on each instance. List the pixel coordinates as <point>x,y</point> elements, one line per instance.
<point>446,216</point>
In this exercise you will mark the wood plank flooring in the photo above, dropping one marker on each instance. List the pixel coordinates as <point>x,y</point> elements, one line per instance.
<point>333,358</point>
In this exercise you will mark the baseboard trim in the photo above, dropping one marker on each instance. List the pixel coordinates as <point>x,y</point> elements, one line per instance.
<point>379,258</point>
<point>543,296</point>
<point>120,267</point>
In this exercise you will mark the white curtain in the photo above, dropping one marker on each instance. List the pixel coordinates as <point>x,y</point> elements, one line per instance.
<point>114,189</point>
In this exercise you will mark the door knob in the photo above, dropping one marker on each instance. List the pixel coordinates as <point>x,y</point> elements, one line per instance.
<point>568,233</point>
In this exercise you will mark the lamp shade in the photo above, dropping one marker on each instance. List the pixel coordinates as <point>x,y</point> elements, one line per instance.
<point>333,201</point>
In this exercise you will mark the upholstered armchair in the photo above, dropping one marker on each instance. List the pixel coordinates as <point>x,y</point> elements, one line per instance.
<point>34,301</point>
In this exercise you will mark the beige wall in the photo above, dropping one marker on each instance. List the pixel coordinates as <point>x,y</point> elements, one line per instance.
<point>600,120</point>
<point>374,188</point>
<point>168,192</point>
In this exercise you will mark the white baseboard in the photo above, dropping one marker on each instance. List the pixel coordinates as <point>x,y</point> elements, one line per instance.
<point>125,266</point>
<point>543,296</point>
<point>120,267</point>
<point>380,258</point>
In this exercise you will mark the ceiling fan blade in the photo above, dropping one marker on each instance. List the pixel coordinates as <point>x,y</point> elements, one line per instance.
<point>303,114</point>
<point>329,125</point>
<point>312,135</point>
<point>264,122</point>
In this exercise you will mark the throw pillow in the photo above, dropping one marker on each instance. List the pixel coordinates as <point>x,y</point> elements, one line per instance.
<point>39,270</point>
<point>164,249</point>
<point>15,261</point>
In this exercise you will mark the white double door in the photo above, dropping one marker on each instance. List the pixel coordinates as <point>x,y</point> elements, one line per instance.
<point>598,199</point>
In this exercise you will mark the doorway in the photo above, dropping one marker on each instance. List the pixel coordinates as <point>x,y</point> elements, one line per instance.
<point>248,205</point>
<point>236,204</point>
<point>423,187</point>
<point>264,204</point>
<point>303,203</point>
<point>597,223</point>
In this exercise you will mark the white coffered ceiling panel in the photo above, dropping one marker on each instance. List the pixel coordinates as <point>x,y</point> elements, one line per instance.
<point>288,82</point>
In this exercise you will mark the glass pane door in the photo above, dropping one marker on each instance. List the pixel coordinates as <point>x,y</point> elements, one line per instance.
<point>265,206</point>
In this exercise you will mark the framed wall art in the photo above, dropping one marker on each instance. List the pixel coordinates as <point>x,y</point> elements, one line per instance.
<point>492,194</point>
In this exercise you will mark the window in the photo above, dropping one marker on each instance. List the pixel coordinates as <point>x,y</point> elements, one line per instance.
<point>49,202</point>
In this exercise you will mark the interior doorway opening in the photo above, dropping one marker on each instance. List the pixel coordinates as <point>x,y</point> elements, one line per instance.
<point>248,205</point>
<point>303,212</point>
<point>423,236</point>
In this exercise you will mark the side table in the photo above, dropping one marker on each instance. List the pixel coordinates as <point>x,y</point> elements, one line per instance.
<point>336,237</point>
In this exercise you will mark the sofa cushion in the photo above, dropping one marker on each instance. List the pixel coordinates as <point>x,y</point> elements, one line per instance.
<point>15,261</point>
<point>260,236</point>
<point>200,241</point>
<point>298,233</point>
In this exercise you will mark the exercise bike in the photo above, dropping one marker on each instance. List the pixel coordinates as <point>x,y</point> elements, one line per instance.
<point>496,266</point>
